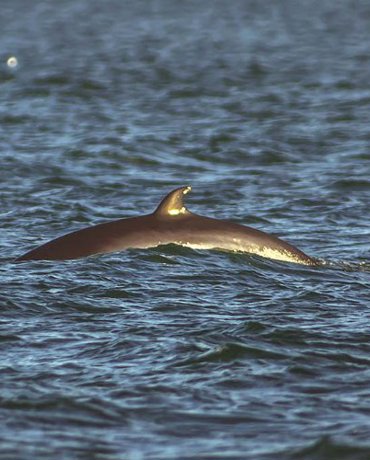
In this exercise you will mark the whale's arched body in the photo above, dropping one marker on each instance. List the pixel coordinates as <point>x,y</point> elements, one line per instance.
<point>171,223</point>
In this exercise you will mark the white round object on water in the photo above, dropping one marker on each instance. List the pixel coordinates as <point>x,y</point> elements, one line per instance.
<point>12,62</point>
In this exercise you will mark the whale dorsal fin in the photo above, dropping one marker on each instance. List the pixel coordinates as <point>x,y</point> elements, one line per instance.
<point>173,203</point>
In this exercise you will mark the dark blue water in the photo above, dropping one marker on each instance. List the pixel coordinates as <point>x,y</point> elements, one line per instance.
<point>174,353</point>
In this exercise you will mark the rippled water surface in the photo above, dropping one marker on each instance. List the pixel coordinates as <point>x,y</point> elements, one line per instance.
<point>175,353</point>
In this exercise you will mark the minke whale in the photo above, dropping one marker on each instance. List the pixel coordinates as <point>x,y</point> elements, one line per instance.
<point>170,223</point>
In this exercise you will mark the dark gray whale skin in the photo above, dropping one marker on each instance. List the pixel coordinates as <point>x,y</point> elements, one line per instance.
<point>171,223</point>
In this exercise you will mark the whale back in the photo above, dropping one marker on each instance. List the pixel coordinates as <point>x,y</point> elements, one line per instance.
<point>170,223</point>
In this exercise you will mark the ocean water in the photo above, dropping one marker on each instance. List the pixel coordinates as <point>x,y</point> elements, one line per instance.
<point>175,353</point>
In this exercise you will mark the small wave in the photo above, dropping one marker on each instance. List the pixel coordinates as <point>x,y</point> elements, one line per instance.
<point>326,449</point>
<point>351,184</point>
<point>362,266</point>
<point>233,351</point>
